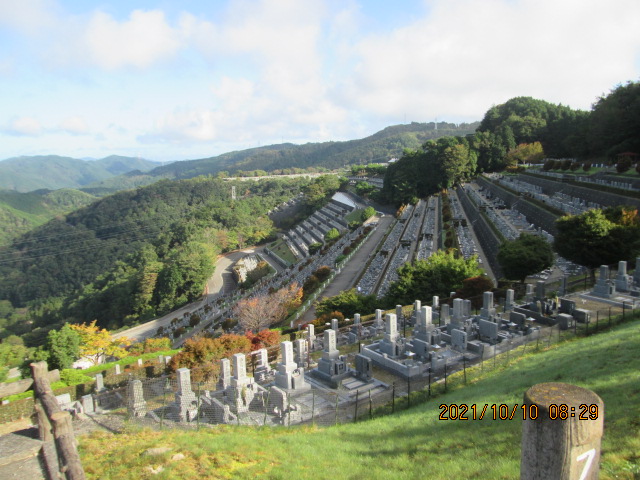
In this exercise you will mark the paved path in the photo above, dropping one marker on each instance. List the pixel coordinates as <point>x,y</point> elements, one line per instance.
<point>222,279</point>
<point>350,272</point>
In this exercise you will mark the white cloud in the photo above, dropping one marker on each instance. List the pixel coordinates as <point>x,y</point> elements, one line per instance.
<point>24,126</point>
<point>29,16</point>
<point>74,126</point>
<point>466,55</point>
<point>140,41</point>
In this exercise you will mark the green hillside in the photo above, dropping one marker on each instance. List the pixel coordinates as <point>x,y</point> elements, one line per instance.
<point>379,147</point>
<point>410,444</point>
<point>21,212</point>
<point>25,174</point>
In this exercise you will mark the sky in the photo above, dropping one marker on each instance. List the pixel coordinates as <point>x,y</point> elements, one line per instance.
<point>168,80</point>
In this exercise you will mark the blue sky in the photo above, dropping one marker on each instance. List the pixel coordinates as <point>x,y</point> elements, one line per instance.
<point>169,80</point>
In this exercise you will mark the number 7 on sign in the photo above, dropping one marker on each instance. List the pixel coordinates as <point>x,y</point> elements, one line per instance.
<point>589,456</point>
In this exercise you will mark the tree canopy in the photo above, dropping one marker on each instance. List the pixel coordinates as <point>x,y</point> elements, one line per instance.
<point>599,237</point>
<point>440,274</point>
<point>524,256</point>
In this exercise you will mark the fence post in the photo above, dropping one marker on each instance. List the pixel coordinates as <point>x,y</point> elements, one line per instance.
<point>464,368</point>
<point>355,414</point>
<point>313,406</point>
<point>71,468</point>
<point>445,375</point>
<point>393,396</point>
<point>337,398</point>
<point>408,392</point>
<point>198,409</point>
<point>556,443</point>
<point>370,406</point>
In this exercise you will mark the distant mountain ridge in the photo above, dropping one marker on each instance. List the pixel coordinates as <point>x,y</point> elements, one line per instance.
<point>52,172</point>
<point>21,212</point>
<point>379,147</point>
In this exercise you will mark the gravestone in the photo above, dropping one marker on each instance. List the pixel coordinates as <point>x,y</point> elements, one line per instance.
<point>87,404</point>
<point>334,324</point>
<point>567,306</point>
<point>517,318</point>
<point>224,381</point>
<point>604,287</point>
<point>636,273</point>
<point>563,285</point>
<point>332,367</point>
<point>581,315</point>
<point>356,319</point>
<point>117,369</point>
<point>300,352</point>
<point>509,301</point>
<point>136,405</point>
<point>64,401</point>
<point>487,311</point>
<point>389,343</point>
<point>289,376</point>
<point>444,314</point>
<point>99,383</point>
<point>565,321</point>
<point>262,370</point>
<point>540,290</point>
<point>466,309</point>
<point>458,339</point>
<point>378,323</point>
<point>624,282</point>
<point>435,302</point>
<point>364,369</point>
<point>311,336</point>
<point>458,312</point>
<point>488,330</point>
<point>529,293</point>
<point>243,388</point>
<point>184,408</point>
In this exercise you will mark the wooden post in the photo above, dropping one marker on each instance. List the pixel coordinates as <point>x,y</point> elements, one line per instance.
<point>66,446</point>
<point>70,466</point>
<point>561,432</point>
<point>44,426</point>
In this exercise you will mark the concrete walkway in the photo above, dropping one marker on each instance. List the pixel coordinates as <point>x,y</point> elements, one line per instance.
<point>345,280</point>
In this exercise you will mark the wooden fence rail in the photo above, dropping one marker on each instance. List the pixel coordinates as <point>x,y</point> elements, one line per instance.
<point>52,418</point>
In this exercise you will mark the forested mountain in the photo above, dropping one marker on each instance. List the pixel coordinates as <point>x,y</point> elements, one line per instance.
<point>25,174</point>
<point>136,253</point>
<point>379,147</point>
<point>523,129</point>
<point>20,212</point>
<point>611,127</point>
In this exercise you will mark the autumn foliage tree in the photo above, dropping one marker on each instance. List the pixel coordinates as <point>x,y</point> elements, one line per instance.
<point>264,339</point>
<point>96,343</point>
<point>260,312</point>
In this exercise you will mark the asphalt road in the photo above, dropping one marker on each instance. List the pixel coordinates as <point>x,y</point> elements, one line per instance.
<point>345,280</point>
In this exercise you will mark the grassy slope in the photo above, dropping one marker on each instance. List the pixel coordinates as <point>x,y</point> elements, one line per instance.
<point>409,444</point>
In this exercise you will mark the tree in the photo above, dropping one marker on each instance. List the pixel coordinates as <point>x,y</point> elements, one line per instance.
<point>348,302</point>
<point>260,312</point>
<point>524,256</point>
<point>331,235</point>
<point>314,247</point>
<point>441,274</point>
<point>599,237</point>
<point>96,343</point>
<point>367,213</point>
<point>63,347</point>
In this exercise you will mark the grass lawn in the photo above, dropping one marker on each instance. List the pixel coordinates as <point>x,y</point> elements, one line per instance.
<point>410,444</point>
<point>283,251</point>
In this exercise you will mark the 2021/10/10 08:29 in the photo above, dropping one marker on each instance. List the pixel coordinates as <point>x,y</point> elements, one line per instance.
<point>506,412</point>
